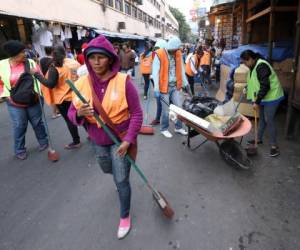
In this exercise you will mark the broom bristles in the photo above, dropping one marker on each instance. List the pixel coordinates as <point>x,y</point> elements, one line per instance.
<point>251,150</point>
<point>168,212</point>
<point>163,204</point>
<point>146,130</point>
<point>53,155</point>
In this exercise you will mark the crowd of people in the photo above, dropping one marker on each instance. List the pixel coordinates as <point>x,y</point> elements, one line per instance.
<point>103,73</point>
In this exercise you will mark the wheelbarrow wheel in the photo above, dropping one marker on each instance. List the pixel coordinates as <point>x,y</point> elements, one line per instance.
<point>234,155</point>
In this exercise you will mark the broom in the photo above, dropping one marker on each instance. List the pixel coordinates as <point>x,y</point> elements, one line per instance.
<point>52,154</point>
<point>147,129</point>
<point>252,149</point>
<point>158,197</point>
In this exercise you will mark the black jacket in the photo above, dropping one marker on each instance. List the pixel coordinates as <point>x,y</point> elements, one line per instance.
<point>263,72</point>
<point>52,79</point>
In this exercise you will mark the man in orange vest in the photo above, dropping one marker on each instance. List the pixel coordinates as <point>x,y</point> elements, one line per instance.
<point>169,77</point>
<point>160,43</point>
<point>146,66</point>
<point>205,65</point>
<point>115,92</point>
<point>192,67</point>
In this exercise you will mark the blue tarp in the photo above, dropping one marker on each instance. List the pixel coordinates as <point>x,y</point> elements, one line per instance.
<point>281,52</point>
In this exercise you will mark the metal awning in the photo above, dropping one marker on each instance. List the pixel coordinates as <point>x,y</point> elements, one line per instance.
<point>34,15</point>
<point>120,35</point>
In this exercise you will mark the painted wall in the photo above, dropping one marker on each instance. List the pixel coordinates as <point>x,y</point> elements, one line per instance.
<point>87,13</point>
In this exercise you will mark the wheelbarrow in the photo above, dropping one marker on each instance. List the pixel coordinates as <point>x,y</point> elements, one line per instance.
<point>230,149</point>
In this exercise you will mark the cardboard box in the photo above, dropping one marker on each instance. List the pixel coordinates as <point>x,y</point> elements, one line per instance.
<point>240,74</point>
<point>225,70</point>
<point>285,79</point>
<point>285,66</point>
<point>246,109</point>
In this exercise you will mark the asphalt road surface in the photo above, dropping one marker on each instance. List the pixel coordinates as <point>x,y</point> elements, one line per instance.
<point>72,205</point>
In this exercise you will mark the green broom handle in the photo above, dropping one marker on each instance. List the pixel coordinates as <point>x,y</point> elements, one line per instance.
<point>107,131</point>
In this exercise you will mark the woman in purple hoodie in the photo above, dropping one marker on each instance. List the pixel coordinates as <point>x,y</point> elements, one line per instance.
<point>119,98</point>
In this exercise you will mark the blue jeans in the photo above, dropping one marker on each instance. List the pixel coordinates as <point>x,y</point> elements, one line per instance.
<point>174,97</point>
<point>119,167</point>
<point>266,119</point>
<point>20,118</point>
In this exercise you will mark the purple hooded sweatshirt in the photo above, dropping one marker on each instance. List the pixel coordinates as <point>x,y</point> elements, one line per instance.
<point>134,123</point>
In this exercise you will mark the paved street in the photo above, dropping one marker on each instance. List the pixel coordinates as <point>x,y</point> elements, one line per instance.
<point>71,205</point>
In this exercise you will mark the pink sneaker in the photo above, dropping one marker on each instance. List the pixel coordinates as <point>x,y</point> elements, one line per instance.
<point>124,227</point>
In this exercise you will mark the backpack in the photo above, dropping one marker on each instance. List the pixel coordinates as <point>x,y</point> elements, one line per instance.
<point>23,92</point>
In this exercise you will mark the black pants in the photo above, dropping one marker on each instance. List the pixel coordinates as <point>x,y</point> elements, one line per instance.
<point>191,81</point>
<point>218,72</point>
<point>63,109</point>
<point>147,83</point>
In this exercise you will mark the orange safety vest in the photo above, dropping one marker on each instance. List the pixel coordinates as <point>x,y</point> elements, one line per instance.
<point>61,92</point>
<point>114,102</point>
<point>188,67</point>
<point>73,65</point>
<point>164,70</point>
<point>205,59</point>
<point>146,64</point>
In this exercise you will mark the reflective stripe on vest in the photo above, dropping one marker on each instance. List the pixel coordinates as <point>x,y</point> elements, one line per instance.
<point>253,86</point>
<point>146,64</point>
<point>188,66</point>
<point>5,77</point>
<point>114,102</point>
<point>61,92</point>
<point>205,59</point>
<point>164,70</point>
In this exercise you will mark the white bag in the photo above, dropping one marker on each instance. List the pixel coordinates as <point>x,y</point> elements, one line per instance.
<point>227,109</point>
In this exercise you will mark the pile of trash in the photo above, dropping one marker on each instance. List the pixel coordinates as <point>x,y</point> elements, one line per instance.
<point>223,117</point>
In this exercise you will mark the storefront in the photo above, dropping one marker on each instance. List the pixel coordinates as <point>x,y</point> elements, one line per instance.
<point>43,33</point>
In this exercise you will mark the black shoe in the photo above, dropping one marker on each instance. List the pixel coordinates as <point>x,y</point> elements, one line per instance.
<point>274,151</point>
<point>251,142</point>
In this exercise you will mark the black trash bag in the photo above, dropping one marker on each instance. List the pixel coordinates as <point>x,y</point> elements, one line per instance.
<point>200,106</point>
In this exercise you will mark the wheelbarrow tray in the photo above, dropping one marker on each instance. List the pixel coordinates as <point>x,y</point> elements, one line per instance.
<point>230,150</point>
<point>242,130</point>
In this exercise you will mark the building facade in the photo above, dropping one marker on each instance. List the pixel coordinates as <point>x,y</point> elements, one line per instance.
<point>148,18</point>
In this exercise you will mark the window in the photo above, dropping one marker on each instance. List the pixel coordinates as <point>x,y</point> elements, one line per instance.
<point>140,15</point>
<point>150,19</point>
<point>134,12</point>
<point>110,3</point>
<point>119,5</point>
<point>145,19</point>
<point>127,8</point>
<point>157,24</point>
